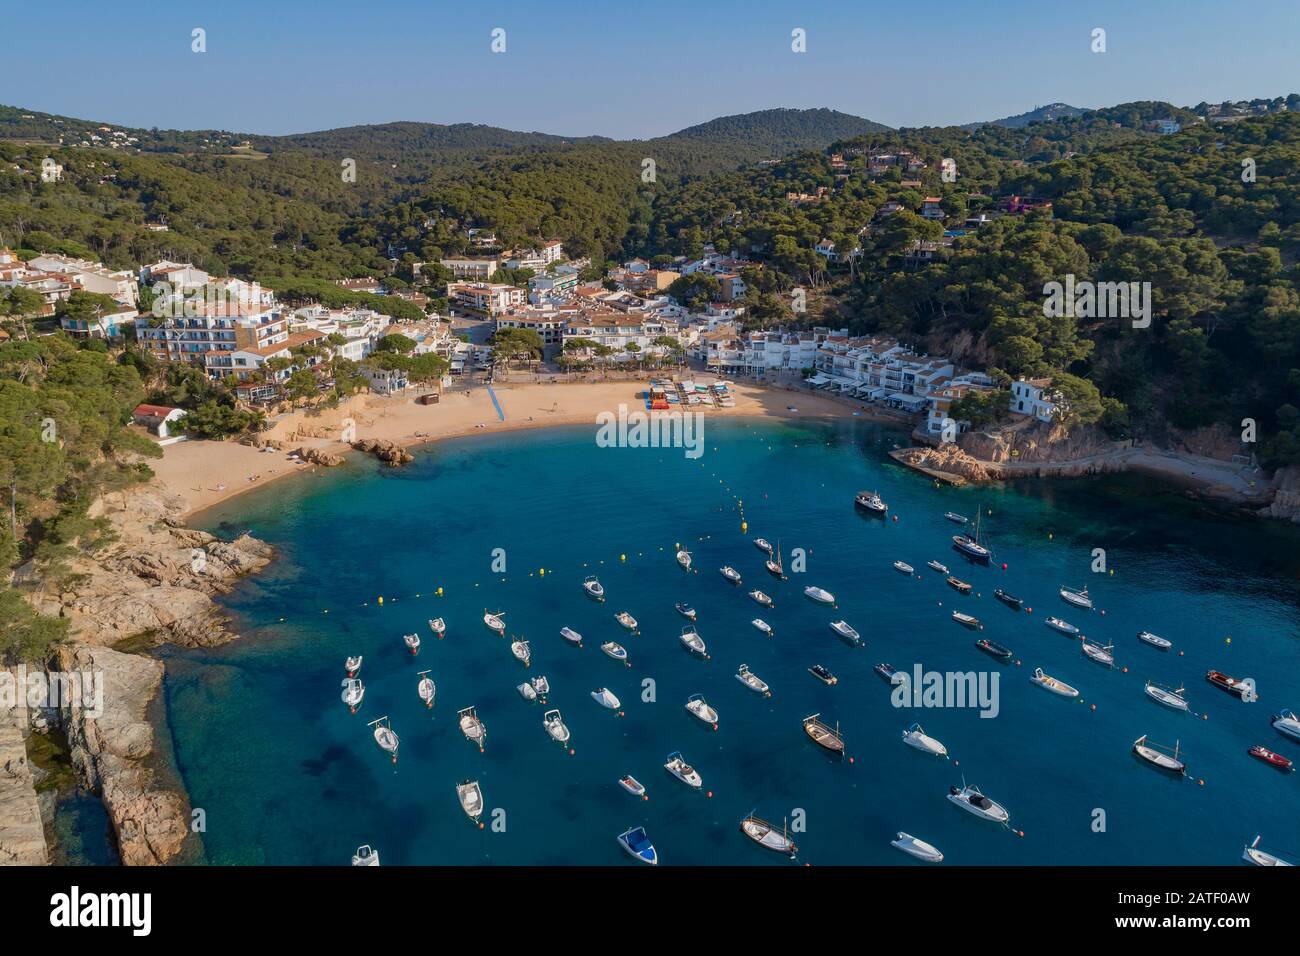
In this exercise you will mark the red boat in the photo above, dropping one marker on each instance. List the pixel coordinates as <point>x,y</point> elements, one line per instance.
<point>1270,758</point>
<point>1230,684</point>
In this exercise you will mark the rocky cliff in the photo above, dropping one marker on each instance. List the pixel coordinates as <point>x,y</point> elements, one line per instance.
<point>111,750</point>
<point>1286,495</point>
<point>22,832</point>
<point>156,577</point>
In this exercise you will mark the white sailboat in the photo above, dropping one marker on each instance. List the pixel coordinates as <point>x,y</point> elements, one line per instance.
<point>767,836</point>
<point>774,564</point>
<point>385,737</point>
<point>1251,853</point>
<point>1078,597</point>
<point>495,622</point>
<point>1153,755</point>
<point>426,689</point>
<point>1170,698</point>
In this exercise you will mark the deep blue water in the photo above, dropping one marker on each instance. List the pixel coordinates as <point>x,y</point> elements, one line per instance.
<point>286,775</point>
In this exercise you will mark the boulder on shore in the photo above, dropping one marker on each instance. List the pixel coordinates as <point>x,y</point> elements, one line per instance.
<point>319,456</point>
<point>384,450</point>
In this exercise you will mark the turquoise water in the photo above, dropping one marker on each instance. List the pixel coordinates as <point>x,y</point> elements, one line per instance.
<point>286,775</point>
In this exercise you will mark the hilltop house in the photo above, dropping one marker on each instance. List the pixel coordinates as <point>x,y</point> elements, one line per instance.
<point>1029,397</point>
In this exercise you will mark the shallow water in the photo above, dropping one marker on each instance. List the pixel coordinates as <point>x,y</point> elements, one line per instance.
<point>287,775</point>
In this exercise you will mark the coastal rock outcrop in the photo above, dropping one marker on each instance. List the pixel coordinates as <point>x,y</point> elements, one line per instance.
<point>946,462</point>
<point>156,576</point>
<point>22,832</point>
<point>110,741</point>
<point>319,456</point>
<point>1286,495</point>
<point>384,450</point>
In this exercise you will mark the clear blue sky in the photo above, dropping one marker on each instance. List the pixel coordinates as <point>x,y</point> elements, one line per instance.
<point>628,68</point>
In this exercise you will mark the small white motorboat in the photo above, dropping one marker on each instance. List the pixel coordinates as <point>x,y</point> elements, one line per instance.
<point>915,736</point>
<point>700,709</point>
<point>495,622</point>
<point>684,559</point>
<point>521,652</point>
<point>1079,597</point>
<point>903,567</point>
<point>1170,698</point>
<point>1052,684</point>
<point>917,848</point>
<point>614,650</point>
<point>870,501</point>
<point>760,598</point>
<point>594,588</point>
<point>730,573</point>
<point>1253,854</point>
<point>820,595</point>
<point>555,726</point>
<point>679,768</point>
<point>955,518</point>
<point>692,641</point>
<point>1056,624</point>
<point>762,625</point>
<point>365,856</point>
<point>526,691</point>
<point>353,665</point>
<point>626,620</point>
<point>846,631</point>
<point>970,799</point>
<point>686,611</point>
<point>541,687</point>
<point>763,545</point>
<point>426,688</point>
<point>470,725</point>
<point>1157,757</point>
<point>966,620</point>
<point>385,737</point>
<point>632,785</point>
<point>353,692</point>
<point>767,836</point>
<point>439,627</point>
<point>470,796</point>
<point>1154,640</point>
<point>1097,653</point>
<point>605,697</point>
<point>570,635</point>
<point>752,681</point>
<point>1287,724</point>
<point>936,566</point>
<point>638,846</point>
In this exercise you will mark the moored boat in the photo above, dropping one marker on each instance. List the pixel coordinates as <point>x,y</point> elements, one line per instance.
<point>426,688</point>
<point>626,620</point>
<point>594,588</point>
<point>1078,597</point>
<point>1095,652</point>
<point>823,674</point>
<point>686,611</point>
<point>470,725</point>
<point>521,652</point>
<point>700,709</point>
<point>846,631</point>
<point>892,675</point>
<point>1010,600</point>
<point>495,621</point>
<point>760,598</point>
<point>937,566</point>
<point>692,641</point>
<point>763,545</point>
<point>679,768</point>
<point>1253,854</point>
<point>638,846</point>
<point>994,649</point>
<point>365,856</point>
<point>730,573</point>
<point>353,692</point>
<point>1287,724</point>
<point>774,564</point>
<point>632,785</point>
<point>915,736</point>
<point>823,735</point>
<point>955,518</point>
<point>353,664</point>
<point>1154,640</point>
<point>966,620</point>
<point>767,836</point>
<point>606,698</point>
<point>615,650</point>
<point>385,737</point>
<point>684,559</point>
<point>555,726</point>
<point>1231,685</point>
<point>412,642</point>
<point>1056,624</point>
<point>1271,758</point>
<point>972,800</point>
<point>570,635</point>
<point>958,585</point>
<point>752,681</point>
<point>541,687</point>
<point>470,795</point>
<point>1173,699</point>
<point>439,627</point>
<point>870,502</point>
<point>917,848</point>
<point>903,567</point>
<point>1051,683</point>
<point>526,691</point>
<point>820,595</point>
<point>1153,754</point>
<point>762,625</point>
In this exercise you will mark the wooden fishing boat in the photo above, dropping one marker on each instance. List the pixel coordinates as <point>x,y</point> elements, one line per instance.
<point>1154,754</point>
<point>823,735</point>
<point>521,652</point>
<point>1097,653</point>
<point>495,621</point>
<point>958,585</point>
<point>966,620</point>
<point>767,836</point>
<point>1230,685</point>
<point>385,737</point>
<point>470,725</point>
<point>1077,596</point>
<point>426,689</point>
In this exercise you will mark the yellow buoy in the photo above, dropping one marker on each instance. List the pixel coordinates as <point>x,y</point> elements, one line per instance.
<point>542,572</point>
<point>622,557</point>
<point>381,599</point>
<point>439,592</point>
<point>744,526</point>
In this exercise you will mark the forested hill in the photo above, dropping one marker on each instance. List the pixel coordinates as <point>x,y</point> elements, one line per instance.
<point>779,131</point>
<point>1039,114</point>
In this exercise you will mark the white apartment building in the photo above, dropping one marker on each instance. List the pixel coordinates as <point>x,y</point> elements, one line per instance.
<point>488,299</point>
<point>91,276</point>
<point>472,268</point>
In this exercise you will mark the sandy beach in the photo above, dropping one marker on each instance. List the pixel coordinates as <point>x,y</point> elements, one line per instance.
<point>207,472</point>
